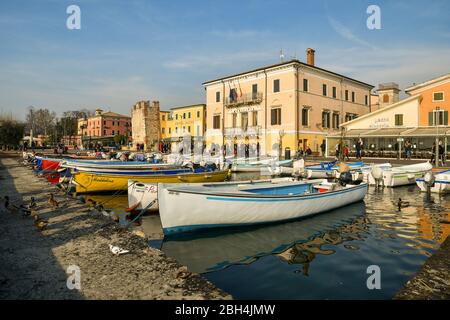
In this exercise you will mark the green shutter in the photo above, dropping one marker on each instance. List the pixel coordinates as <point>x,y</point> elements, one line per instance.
<point>272,117</point>
<point>279,118</point>
<point>445,117</point>
<point>430,118</point>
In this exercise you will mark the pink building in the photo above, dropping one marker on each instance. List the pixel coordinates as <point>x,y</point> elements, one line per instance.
<point>103,126</point>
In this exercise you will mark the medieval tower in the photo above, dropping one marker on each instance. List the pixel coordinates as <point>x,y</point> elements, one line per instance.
<point>145,124</point>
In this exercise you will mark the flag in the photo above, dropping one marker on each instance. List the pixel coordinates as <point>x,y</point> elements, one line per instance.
<point>240,89</point>
<point>231,92</point>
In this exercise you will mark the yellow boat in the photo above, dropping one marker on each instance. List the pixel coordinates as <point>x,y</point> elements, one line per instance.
<point>89,182</point>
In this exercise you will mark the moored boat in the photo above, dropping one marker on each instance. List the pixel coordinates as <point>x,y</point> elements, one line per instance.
<point>401,176</point>
<point>113,164</point>
<point>441,183</point>
<point>258,166</point>
<point>328,169</point>
<point>196,207</point>
<point>89,182</point>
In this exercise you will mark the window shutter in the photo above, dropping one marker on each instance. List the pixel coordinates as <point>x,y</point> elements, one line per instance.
<point>430,118</point>
<point>445,117</point>
<point>272,117</point>
<point>279,116</point>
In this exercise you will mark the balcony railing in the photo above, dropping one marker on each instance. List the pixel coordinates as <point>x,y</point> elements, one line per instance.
<point>239,131</point>
<point>245,99</point>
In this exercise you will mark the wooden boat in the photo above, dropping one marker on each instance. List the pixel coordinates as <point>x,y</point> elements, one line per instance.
<point>401,176</point>
<point>196,207</point>
<point>48,164</point>
<point>141,195</point>
<point>328,169</point>
<point>441,183</point>
<point>258,166</point>
<point>215,250</point>
<point>90,182</point>
<point>114,164</point>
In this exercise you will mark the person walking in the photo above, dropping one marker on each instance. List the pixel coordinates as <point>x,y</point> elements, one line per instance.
<point>337,150</point>
<point>359,146</point>
<point>441,153</point>
<point>323,148</point>
<point>346,152</point>
<point>408,149</point>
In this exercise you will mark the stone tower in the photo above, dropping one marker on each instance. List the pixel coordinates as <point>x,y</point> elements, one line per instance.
<point>145,125</point>
<point>388,93</point>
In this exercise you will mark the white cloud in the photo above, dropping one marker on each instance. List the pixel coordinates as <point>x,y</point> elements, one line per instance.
<point>348,34</point>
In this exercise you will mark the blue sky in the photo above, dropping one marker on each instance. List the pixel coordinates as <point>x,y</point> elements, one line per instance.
<point>163,50</point>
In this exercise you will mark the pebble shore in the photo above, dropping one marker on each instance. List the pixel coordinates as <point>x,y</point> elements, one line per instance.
<point>34,262</point>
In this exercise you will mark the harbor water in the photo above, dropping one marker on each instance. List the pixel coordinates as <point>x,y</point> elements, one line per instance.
<point>322,257</point>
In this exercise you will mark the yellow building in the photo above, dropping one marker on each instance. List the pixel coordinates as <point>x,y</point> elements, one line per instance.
<point>290,105</point>
<point>185,123</point>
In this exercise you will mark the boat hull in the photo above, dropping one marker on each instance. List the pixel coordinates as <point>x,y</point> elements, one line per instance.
<point>441,183</point>
<point>189,211</point>
<point>402,176</point>
<point>89,182</point>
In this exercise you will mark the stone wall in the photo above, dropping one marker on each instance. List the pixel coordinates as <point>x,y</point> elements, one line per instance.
<point>145,125</point>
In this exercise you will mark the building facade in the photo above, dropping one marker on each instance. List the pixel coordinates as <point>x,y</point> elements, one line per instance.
<point>421,119</point>
<point>291,105</point>
<point>102,127</point>
<point>181,124</point>
<point>145,118</point>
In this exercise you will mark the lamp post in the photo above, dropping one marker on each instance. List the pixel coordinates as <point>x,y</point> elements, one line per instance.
<point>436,143</point>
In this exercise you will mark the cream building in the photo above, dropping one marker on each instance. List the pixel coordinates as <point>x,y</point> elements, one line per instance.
<point>421,118</point>
<point>287,105</point>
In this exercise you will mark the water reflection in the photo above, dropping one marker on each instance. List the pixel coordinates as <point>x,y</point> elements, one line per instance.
<point>213,250</point>
<point>304,253</point>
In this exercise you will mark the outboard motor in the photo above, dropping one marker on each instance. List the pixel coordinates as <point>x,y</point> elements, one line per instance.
<point>345,178</point>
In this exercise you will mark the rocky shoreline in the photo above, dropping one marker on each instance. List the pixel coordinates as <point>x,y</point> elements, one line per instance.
<point>432,281</point>
<point>34,262</point>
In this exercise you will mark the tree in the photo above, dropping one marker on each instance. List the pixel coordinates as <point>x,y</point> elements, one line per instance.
<point>40,120</point>
<point>11,133</point>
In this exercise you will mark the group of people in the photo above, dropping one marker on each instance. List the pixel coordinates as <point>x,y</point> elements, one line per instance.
<point>359,146</point>
<point>441,153</point>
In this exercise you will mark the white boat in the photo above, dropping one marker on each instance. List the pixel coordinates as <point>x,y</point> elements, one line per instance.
<point>260,166</point>
<point>401,176</point>
<point>328,169</point>
<point>194,207</point>
<point>363,173</point>
<point>113,164</point>
<point>216,250</point>
<point>441,183</point>
<point>141,195</point>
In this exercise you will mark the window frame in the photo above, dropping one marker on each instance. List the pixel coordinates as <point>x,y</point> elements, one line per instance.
<point>278,82</point>
<point>443,96</point>
<point>275,116</point>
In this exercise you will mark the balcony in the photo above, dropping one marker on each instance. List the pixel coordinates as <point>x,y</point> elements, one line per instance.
<point>246,99</point>
<point>242,131</point>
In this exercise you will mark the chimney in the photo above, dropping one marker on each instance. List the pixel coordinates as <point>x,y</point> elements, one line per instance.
<point>310,56</point>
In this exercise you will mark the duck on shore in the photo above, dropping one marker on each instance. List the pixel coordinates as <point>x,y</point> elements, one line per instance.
<point>40,223</point>
<point>52,201</point>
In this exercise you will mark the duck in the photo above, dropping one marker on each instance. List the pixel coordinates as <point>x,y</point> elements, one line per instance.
<point>40,223</point>
<point>401,204</point>
<point>52,202</point>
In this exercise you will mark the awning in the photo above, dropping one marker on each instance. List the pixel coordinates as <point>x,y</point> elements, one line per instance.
<point>439,131</point>
<point>396,132</point>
